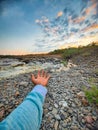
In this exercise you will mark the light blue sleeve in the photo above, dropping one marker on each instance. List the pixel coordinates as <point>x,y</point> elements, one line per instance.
<point>28,115</point>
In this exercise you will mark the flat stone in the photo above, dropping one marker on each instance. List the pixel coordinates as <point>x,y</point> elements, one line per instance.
<point>74,128</point>
<point>57,117</point>
<point>62,116</point>
<point>17,93</point>
<point>1,105</point>
<point>80,94</point>
<point>54,111</point>
<point>23,83</point>
<point>89,119</point>
<point>56,105</point>
<point>63,103</point>
<point>56,125</point>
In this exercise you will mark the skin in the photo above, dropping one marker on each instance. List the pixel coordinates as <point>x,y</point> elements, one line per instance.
<point>42,78</point>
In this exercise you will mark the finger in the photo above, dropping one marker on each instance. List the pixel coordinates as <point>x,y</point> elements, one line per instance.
<point>38,74</point>
<point>48,77</point>
<point>42,73</point>
<point>33,77</point>
<point>45,74</point>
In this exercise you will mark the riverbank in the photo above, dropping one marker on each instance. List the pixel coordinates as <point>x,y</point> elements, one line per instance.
<point>63,108</point>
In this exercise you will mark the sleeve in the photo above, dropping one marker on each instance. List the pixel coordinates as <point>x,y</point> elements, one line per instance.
<point>28,115</point>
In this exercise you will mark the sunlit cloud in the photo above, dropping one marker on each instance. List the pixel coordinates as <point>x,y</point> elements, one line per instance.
<point>91,8</point>
<point>79,19</point>
<point>60,14</point>
<point>42,26</point>
<point>90,28</point>
<point>81,41</point>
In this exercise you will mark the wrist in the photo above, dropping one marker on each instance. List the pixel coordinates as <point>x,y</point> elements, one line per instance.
<point>40,89</point>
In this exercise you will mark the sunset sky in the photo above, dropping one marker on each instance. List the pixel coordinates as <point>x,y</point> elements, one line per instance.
<point>36,26</point>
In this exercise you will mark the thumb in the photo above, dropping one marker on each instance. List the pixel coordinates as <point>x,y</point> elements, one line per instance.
<point>33,78</point>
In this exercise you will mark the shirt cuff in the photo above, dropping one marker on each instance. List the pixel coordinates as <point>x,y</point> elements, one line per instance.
<point>40,89</point>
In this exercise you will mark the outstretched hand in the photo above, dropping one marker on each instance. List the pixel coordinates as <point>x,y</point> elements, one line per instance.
<point>42,78</point>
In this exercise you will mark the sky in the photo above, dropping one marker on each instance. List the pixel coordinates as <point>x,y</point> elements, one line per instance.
<point>40,26</point>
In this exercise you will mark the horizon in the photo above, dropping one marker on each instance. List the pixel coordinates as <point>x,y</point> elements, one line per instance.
<point>37,27</point>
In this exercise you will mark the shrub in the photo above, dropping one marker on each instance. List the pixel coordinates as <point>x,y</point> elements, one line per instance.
<point>68,53</point>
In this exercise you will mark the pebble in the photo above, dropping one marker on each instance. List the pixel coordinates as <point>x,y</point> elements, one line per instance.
<point>23,83</point>
<point>57,117</point>
<point>55,105</point>
<point>54,111</point>
<point>17,93</point>
<point>80,94</point>
<point>56,125</point>
<point>63,103</point>
<point>65,106</point>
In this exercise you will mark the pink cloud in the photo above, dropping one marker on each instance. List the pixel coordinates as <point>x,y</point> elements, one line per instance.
<point>60,14</point>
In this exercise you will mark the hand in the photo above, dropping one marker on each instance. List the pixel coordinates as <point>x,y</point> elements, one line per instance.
<point>42,78</point>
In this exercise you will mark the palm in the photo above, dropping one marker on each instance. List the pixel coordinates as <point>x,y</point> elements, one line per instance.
<point>42,78</point>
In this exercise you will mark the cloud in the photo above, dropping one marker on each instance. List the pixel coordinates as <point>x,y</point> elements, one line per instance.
<point>79,19</point>
<point>90,28</point>
<point>59,14</point>
<point>91,8</point>
<point>70,24</point>
<point>83,40</point>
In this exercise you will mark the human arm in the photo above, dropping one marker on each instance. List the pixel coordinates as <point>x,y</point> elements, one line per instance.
<point>28,115</point>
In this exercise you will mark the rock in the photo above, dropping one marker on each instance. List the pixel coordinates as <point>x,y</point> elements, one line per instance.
<point>62,116</point>
<point>50,108</point>
<point>74,127</point>
<point>45,111</point>
<point>80,94</point>
<point>1,105</point>
<point>54,111</point>
<point>17,93</point>
<point>84,102</point>
<point>57,117</point>
<point>56,105</point>
<point>56,125</point>
<point>89,119</point>
<point>23,83</point>
<point>2,113</point>
<point>63,103</point>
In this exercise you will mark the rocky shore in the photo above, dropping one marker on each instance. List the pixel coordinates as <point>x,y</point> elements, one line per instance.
<point>66,107</point>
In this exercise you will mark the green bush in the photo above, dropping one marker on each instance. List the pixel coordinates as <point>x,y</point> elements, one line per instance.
<point>68,53</point>
<point>92,94</point>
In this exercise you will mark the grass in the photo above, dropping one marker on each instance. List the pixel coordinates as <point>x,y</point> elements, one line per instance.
<point>68,53</point>
<point>64,62</point>
<point>92,94</point>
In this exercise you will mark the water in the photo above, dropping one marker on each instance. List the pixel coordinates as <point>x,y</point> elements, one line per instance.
<point>13,67</point>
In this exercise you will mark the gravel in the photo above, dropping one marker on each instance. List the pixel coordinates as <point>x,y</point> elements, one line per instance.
<point>63,107</point>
